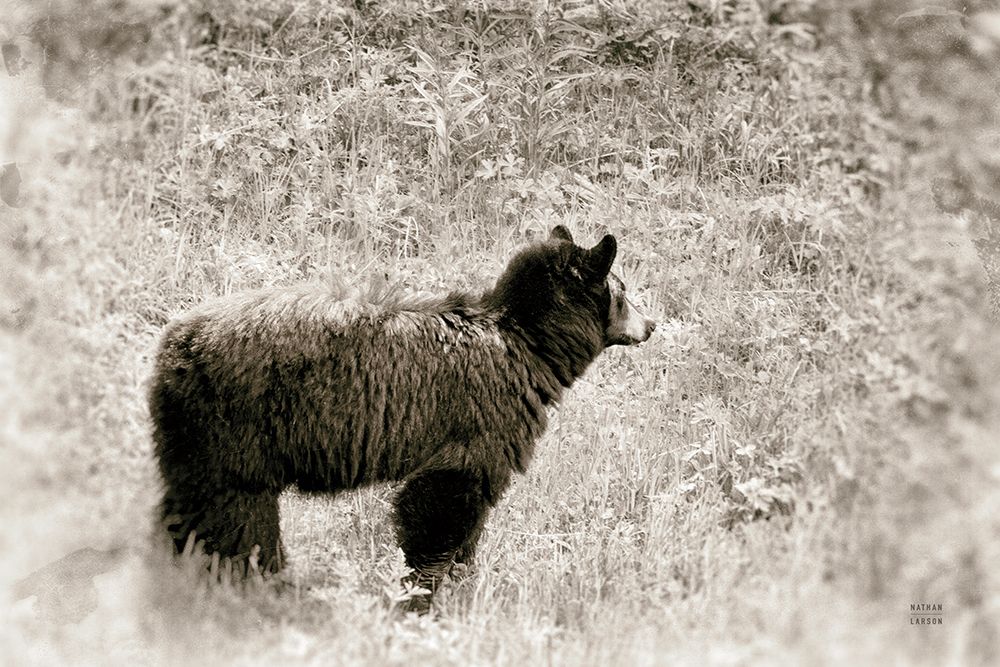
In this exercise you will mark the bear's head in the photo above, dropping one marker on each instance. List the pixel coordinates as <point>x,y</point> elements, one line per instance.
<point>567,300</point>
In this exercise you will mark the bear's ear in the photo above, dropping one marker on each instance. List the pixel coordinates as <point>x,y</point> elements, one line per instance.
<point>560,233</point>
<point>602,256</point>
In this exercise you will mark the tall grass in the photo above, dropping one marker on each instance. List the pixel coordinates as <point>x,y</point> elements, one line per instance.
<point>804,448</point>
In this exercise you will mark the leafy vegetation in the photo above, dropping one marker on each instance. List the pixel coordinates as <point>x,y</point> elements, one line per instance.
<point>805,447</point>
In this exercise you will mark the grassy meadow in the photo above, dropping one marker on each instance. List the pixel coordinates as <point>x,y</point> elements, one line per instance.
<point>802,197</point>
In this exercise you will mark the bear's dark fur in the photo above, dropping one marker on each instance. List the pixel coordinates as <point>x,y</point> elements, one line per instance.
<point>299,386</point>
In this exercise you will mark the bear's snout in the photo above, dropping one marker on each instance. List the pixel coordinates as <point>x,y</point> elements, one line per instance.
<point>631,328</point>
<point>650,328</point>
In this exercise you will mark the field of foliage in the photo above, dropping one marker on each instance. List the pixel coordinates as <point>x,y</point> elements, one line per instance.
<point>804,198</point>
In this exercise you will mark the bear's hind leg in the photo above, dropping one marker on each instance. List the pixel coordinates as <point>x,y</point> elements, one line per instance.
<point>438,516</point>
<point>231,523</point>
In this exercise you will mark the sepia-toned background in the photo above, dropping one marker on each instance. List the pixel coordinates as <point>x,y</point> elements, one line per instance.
<point>801,461</point>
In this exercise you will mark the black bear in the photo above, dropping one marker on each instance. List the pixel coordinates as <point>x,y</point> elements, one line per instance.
<point>301,386</point>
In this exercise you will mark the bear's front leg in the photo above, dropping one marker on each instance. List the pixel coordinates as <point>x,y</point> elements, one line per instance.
<point>438,514</point>
<point>465,558</point>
